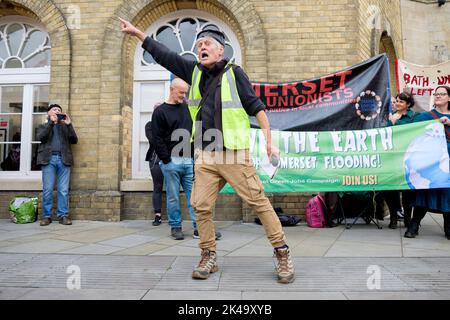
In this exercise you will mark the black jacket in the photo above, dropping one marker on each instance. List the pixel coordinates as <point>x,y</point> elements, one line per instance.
<point>45,135</point>
<point>169,119</point>
<point>151,152</point>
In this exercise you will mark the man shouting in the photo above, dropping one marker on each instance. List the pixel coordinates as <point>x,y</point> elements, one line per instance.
<point>220,100</point>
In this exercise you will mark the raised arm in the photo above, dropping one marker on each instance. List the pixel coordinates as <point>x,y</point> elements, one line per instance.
<point>128,28</point>
<point>172,61</point>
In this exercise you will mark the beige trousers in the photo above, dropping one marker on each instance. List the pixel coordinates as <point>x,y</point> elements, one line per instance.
<point>212,170</point>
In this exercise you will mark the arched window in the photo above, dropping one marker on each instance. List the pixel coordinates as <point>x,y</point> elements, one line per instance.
<point>178,32</point>
<point>23,46</point>
<point>24,93</point>
<point>179,35</point>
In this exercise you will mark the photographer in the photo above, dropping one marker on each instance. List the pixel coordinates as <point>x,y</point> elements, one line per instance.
<point>55,157</point>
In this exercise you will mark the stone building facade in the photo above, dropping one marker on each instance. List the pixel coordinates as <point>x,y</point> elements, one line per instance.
<point>102,79</point>
<point>427,40</point>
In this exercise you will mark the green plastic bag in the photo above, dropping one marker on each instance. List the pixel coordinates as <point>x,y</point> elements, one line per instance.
<point>23,209</point>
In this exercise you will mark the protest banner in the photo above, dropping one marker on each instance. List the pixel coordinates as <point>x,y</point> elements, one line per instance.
<point>353,99</point>
<point>421,81</point>
<point>412,156</point>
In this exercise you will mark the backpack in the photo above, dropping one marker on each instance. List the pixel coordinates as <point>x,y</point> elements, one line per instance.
<point>285,219</point>
<point>316,212</point>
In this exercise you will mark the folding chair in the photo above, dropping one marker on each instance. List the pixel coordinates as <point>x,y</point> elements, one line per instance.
<point>365,212</point>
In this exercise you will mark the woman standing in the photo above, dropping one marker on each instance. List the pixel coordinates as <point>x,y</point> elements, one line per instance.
<point>434,200</point>
<point>403,114</point>
<point>155,170</point>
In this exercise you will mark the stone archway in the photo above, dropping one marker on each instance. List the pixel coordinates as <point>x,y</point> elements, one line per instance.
<point>386,45</point>
<point>114,95</point>
<point>52,18</point>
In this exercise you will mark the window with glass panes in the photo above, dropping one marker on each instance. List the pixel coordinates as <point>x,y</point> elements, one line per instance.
<point>24,93</point>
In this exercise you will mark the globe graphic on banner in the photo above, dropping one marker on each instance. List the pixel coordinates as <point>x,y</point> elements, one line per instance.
<point>426,160</point>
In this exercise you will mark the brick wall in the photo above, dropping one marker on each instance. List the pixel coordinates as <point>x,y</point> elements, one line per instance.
<point>427,40</point>
<point>83,205</point>
<point>138,205</point>
<point>307,38</point>
<point>380,31</point>
<point>92,77</point>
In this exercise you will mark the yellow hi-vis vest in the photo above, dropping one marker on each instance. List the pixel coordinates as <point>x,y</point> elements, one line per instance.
<point>235,122</point>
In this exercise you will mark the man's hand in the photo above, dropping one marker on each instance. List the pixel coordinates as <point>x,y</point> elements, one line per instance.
<point>128,28</point>
<point>273,153</point>
<point>67,121</point>
<point>272,150</point>
<point>52,116</point>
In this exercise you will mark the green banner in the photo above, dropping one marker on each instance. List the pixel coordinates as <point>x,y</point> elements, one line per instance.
<point>412,156</point>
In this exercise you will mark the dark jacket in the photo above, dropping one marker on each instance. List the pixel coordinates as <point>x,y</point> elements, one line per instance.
<point>151,152</point>
<point>168,119</point>
<point>45,135</point>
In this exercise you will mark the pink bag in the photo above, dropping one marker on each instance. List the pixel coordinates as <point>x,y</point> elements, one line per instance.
<point>316,212</point>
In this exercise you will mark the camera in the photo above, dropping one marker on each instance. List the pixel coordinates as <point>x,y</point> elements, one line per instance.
<point>61,117</point>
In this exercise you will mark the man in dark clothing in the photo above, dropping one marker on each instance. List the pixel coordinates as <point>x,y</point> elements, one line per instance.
<point>221,98</point>
<point>171,129</point>
<point>171,125</point>
<point>157,176</point>
<point>55,157</point>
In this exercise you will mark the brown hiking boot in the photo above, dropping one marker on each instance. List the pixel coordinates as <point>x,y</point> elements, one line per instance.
<point>65,221</point>
<point>45,222</point>
<point>284,267</point>
<point>207,265</point>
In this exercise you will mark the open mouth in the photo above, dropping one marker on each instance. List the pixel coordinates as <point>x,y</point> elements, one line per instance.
<point>203,55</point>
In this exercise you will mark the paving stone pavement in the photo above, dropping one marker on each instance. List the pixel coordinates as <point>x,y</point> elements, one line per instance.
<point>135,260</point>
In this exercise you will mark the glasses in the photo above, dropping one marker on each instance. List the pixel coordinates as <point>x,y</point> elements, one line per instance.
<point>440,94</point>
